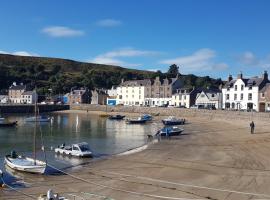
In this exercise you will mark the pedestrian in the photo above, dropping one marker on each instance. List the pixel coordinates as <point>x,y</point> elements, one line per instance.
<point>252,127</point>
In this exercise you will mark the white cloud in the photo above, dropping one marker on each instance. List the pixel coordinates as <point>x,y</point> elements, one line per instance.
<point>248,58</point>
<point>20,53</point>
<point>109,23</point>
<point>62,31</point>
<point>201,60</point>
<point>112,57</point>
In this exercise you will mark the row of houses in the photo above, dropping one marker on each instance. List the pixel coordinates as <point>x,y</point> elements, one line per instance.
<point>241,93</point>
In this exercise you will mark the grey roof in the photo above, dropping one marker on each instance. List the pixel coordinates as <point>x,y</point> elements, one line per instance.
<point>267,85</point>
<point>254,81</point>
<point>143,82</point>
<point>17,87</point>
<point>28,93</point>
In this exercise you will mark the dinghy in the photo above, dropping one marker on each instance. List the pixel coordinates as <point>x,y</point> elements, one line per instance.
<point>139,120</point>
<point>170,131</point>
<point>38,119</point>
<point>173,121</point>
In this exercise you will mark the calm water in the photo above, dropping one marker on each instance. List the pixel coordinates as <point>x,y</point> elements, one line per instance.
<point>105,137</point>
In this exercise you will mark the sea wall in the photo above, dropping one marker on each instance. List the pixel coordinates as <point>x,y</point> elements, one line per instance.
<point>25,108</point>
<point>180,112</point>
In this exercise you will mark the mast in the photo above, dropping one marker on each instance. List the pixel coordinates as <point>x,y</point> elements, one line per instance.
<point>35,129</point>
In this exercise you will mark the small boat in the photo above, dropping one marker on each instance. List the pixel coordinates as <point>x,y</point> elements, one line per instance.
<point>7,124</point>
<point>116,117</point>
<point>51,196</point>
<point>170,131</point>
<point>173,121</point>
<point>79,150</point>
<point>38,119</point>
<point>147,117</point>
<point>2,119</point>
<point>25,164</point>
<point>139,120</point>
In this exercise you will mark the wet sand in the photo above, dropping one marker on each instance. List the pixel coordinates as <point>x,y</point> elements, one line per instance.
<point>211,160</point>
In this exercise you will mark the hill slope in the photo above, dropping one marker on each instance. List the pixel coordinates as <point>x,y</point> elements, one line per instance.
<point>62,74</point>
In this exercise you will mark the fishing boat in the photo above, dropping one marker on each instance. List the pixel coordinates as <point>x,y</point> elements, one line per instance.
<point>79,150</point>
<point>170,131</point>
<point>173,121</point>
<point>116,117</point>
<point>38,119</point>
<point>138,120</point>
<point>27,164</point>
<point>7,124</point>
<point>147,117</point>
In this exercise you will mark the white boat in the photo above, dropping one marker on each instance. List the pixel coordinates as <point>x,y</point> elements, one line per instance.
<point>38,119</point>
<point>170,131</point>
<point>2,119</point>
<point>25,164</point>
<point>79,150</point>
<point>173,121</point>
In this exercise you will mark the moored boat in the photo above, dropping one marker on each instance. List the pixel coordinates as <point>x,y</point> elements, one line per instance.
<point>7,124</point>
<point>79,150</point>
<point>116,117</point>
<point>173,121</point>
<point>38,119</point>
<point>170,131</point>
<point>25,164</point>
<point>147,117</point>
<point>138,120</point>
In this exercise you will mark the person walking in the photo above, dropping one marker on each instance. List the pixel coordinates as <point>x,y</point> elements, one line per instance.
<point>252,127</point>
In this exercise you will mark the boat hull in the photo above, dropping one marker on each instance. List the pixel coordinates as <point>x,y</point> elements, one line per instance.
<point>172,133</point>
<point>33,119</point>
<point>13,163</point>
<point>180,122</point>
<point>8,124</point>
<point>117,117</point>
<point>136,121</point>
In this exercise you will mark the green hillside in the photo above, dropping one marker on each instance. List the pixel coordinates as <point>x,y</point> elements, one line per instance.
<point>62,74</point>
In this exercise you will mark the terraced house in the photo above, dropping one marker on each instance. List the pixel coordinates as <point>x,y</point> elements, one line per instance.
<point>244,93</point>
<point>147,92</point>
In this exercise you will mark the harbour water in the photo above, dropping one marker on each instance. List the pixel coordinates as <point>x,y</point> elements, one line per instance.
<point>105,137</point>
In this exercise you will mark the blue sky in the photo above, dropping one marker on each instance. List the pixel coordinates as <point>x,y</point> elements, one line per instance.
<point>207,37</point>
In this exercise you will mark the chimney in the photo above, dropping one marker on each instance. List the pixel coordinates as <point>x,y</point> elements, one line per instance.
<point>240,76</point>
<point>230,78</point>
<point>21,83</point>
<point>265,75</point>
<point>122,80</point>
<point>14,83</point>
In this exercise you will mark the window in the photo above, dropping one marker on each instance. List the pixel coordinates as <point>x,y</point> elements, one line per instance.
<point>185,97</point>
<point>249,96</point>
<point>263,94</point>
<point>139,96</point>
<point>250,87</point>
<point>228,89</point>
<point>213,95</point>
<point>242,87</point>
<point>227,97</point>
<point>242,96</point>
<point>235,87</point>
<point>235,96</point>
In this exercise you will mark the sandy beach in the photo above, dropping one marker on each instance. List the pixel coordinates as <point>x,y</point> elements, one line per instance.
<point>213,159</point>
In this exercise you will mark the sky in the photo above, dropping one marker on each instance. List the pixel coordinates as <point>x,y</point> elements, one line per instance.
<point>208,37</point>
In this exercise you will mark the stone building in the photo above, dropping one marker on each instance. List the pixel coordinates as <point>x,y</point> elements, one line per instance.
<point>79,96</point>
<point>264,98</point>
<point>99,96</point>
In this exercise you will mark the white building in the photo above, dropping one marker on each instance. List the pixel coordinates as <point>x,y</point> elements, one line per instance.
<point>3,99</point>
<point>29,97</point>
<point>209,98</point>
<point>112,92</point>
<point>243,93</point>
<point>184,97</point>
<point>15,91</point>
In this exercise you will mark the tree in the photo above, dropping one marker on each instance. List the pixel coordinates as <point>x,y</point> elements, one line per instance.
<point>173,71</point>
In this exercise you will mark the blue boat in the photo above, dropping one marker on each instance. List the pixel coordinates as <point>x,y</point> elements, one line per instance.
<point>147,117</point>
<point>170,131</point>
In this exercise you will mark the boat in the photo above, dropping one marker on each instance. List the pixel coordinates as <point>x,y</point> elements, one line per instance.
<point>7,124</point>
<point>51,196</point>
<point>2,119</point>
<point>79,150</point>
<point>138,120</point>
<point>116,117</point>
<point>170,131</point>
<point>38,119</point>
<point>27,164</point>
<point>173,121</point>
<point>147,117</point>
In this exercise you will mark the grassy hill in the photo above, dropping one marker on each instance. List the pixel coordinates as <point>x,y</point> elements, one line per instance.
<point>62,74</point>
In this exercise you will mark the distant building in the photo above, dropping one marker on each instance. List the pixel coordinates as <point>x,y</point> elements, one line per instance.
<point>15,92</point>
<point>209,98</point>
<point>29,97</point>
<point>99,97</point>
<point>147,92</point>
<point>79,96</point>
<point>264,98</point>
<point>185,97</point>
<point>243,93</point>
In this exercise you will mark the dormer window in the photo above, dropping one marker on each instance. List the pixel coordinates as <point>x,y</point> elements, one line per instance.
<point>250,87</point>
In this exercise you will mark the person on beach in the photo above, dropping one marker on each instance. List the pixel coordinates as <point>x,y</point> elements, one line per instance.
<point>252,127</point>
